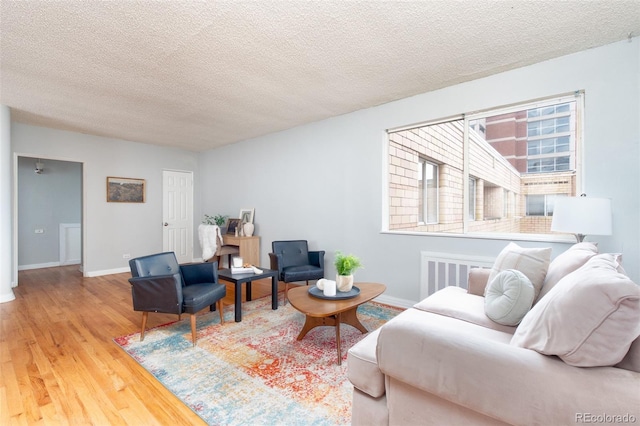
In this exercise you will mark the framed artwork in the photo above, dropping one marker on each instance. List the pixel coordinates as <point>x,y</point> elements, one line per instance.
<point>246,215</point>
<point>125,190</point>
<point>232,225</point>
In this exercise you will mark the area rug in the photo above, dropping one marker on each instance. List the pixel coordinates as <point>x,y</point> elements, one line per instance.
<point>255,372</point>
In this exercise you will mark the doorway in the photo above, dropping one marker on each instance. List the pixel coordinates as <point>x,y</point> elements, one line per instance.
<point>48,219</point>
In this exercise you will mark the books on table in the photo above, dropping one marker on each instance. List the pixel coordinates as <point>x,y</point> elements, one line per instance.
<point>243,270</point>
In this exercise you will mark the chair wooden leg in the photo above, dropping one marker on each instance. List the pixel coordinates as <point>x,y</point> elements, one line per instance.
<point>145,315</point>
<point>193,328</point>
<point>221,309</point>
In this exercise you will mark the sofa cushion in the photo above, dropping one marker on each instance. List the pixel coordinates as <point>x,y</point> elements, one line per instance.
<point>363,371</point>
<point>509,297</point>
<point>456,303</point>
<point>588,319</point>
<point>533,262</point>
<point>565,263</point>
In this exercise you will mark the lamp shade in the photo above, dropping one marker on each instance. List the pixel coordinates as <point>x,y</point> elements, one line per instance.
<point>582,216</point>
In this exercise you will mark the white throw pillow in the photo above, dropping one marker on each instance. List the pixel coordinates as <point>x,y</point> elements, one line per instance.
<point>509,297</point>
<point>588,319</point>
<point>533,262</point>
<point>565,263</point>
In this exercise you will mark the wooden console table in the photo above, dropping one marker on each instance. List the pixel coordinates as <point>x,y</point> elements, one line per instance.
<point>249,247</point>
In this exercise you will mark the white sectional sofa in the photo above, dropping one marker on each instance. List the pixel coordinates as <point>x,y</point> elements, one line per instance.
<point>444,362</point>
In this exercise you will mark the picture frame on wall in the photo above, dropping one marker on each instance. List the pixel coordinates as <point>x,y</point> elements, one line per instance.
<point>246,215</point>
<point>125,190</point>
<point>232,225</point>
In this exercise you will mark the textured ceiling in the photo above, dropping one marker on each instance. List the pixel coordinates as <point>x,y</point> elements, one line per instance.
<point>200,74</point>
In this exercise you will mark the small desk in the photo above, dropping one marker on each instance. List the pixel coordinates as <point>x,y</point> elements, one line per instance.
<point>238,279</point>
<point>249,247</point>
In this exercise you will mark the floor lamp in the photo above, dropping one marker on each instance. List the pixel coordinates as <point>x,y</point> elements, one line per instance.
<point>581,216</point>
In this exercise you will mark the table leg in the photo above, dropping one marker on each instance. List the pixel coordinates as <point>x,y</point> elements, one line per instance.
<point>248,287</point>
<point>238,307</point>
<point>312,322</point>
<point>274,293</point>
<point>350,317</point>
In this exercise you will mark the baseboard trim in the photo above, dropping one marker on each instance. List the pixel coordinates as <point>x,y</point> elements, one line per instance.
<point>394,301</point>
<point>91,274</point>
<point>38,266</point>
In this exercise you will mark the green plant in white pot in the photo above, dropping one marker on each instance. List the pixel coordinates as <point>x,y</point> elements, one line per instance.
<point>345,265</point>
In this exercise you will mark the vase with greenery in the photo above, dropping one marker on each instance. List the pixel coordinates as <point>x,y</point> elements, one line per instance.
<point>345,265</point>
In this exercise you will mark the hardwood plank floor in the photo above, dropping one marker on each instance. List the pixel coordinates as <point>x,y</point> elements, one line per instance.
<point>59,364</point>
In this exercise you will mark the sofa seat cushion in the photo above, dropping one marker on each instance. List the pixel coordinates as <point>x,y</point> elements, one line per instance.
<point>363,371</point>
<point>589,319</point>
<point>509,297</point>
<point>456,303</point>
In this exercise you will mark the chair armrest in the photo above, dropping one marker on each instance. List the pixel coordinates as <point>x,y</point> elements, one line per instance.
<point>478,280</point>
<point>275,263</point>
<point>198,273</point>
<point>316,258</point>
<point>162,293</point>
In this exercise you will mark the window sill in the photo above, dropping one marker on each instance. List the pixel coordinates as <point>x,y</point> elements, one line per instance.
<point>568,239</point>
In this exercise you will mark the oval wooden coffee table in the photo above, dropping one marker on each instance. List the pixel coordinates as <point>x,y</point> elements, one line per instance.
<point>332,312</point>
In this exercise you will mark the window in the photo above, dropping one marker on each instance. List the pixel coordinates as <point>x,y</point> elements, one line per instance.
<point>541,205</point>
<point>428,191</point>
<point>542,165</point>
<point>472,199</point>
<point>495,171</point>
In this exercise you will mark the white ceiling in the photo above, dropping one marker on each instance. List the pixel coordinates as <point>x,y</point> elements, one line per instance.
<point>201,74</point>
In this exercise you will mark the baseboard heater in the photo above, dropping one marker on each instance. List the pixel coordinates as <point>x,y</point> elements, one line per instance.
<point>439,270</point>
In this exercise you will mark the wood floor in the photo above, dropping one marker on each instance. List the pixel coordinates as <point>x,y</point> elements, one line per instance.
<point>59,364</point>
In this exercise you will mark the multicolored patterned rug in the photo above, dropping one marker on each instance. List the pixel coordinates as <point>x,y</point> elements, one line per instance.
<point>255,372</point>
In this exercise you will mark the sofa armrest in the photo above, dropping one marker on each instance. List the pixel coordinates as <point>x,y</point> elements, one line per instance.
<point>477,368</point>
<point>478,280</point>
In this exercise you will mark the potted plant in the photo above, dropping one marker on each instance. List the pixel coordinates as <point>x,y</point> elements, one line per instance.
<point>345,266</point>
<point>215,220</point>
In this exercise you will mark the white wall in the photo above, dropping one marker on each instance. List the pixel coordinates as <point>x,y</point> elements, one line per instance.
<point>323,181</point>
<point>110,229</point>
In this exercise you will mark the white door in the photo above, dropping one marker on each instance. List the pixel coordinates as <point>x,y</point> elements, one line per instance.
<point>177,214</point>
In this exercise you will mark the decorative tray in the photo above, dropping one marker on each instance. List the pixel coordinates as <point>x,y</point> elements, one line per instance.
<point>340,295</point>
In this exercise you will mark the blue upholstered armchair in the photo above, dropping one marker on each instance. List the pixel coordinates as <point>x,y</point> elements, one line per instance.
<point>159,284</point>
<point>294,262</point>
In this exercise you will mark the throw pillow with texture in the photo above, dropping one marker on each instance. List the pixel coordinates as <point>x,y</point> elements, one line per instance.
<point>589,319</point>
<point>565,263</point>
<point>533,262</point>
<point>509,297</point>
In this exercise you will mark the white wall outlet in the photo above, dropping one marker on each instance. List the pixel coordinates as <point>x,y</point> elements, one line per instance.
<point>126,256</point>
<point>39,231</point>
